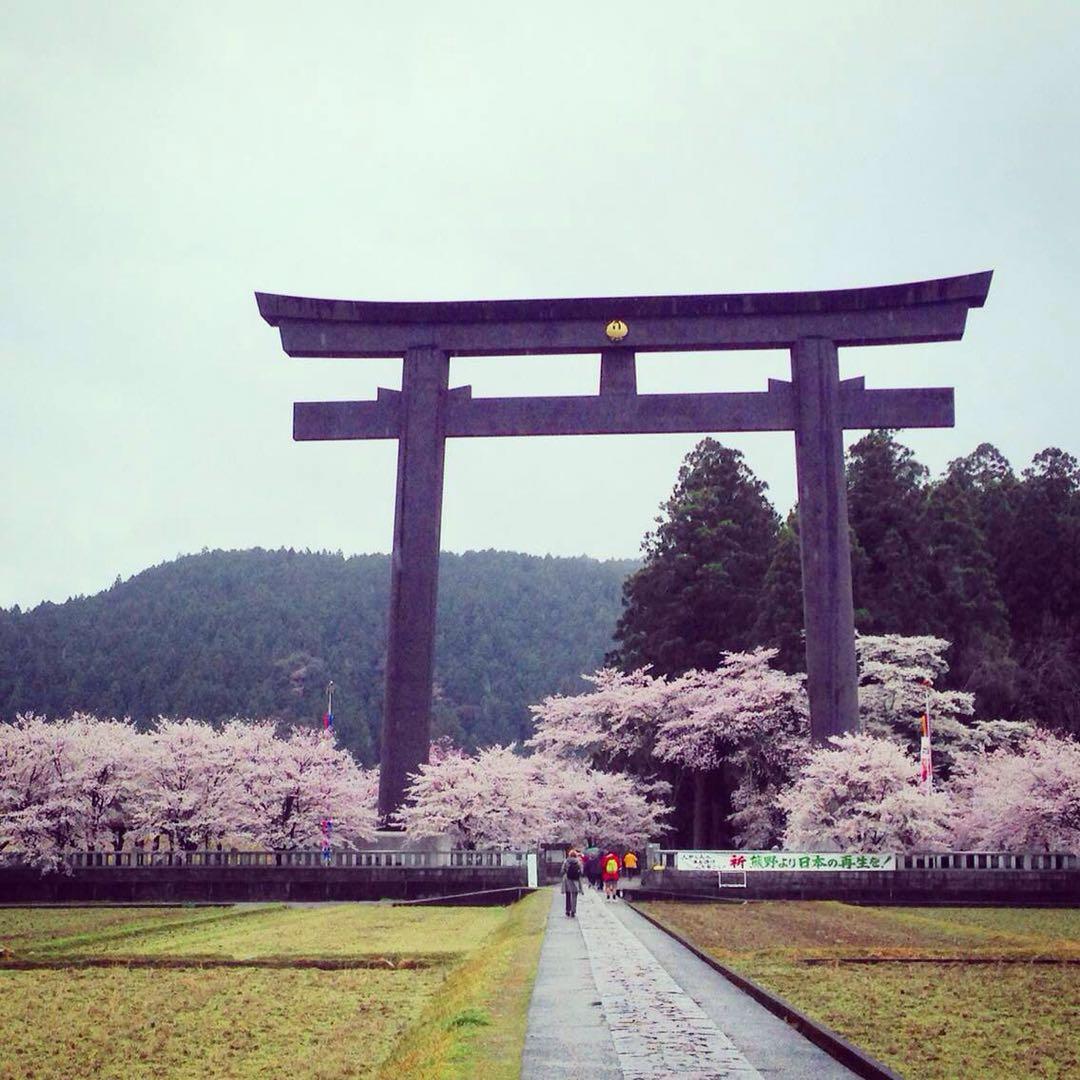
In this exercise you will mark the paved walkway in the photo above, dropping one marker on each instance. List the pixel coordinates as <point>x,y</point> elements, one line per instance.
<point>617,998</point>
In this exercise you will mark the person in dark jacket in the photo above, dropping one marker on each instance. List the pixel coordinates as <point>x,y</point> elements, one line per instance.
<point>572,873</point>
<point>592,868</point>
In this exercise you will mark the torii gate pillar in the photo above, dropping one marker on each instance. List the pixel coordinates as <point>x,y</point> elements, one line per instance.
<point>414,573</point>
<point>816,405</point>
<point>825,549</point>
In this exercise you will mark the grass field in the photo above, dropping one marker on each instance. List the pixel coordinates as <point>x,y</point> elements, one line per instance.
<point>888,979</point>
<point>185,1017</point>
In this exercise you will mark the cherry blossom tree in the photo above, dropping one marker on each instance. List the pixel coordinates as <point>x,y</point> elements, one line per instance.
<point>106,781</point>
<point>39,812</point>
<point>1026,800</point>
<point>862,793</point>
<point>64,784</point>
<point>287,788</point>
<point>81,782</point>
<point>496,799</point>
<point>503,799</point>
<point>189,786</point>
<point>603,808</point>
<point>613,725</point>
<point>745,718</point>
<point>741,728</point>
<point>896,677</point>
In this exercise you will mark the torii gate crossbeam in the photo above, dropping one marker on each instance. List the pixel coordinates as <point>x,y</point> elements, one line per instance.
<point>816,405</point>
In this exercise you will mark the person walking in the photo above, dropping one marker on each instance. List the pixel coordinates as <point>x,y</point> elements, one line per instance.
<point>609,872</point>
<point>630,865</point>
<point>592,868</point>
<point>571,881</point>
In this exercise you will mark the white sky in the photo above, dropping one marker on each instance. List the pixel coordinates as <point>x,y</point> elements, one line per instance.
<point>160,162</point>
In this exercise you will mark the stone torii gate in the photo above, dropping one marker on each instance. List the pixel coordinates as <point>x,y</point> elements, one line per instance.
<point>816,405</point>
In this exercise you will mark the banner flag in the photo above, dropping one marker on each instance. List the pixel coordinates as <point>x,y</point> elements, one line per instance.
<point>926,761</point>
<point>785,860</point>
<point>328,716</point>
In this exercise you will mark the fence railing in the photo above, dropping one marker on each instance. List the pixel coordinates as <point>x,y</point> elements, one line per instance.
<point>989,860</point>
<point>960,860</point>
<point>405,860</point>
<point>302,857</point>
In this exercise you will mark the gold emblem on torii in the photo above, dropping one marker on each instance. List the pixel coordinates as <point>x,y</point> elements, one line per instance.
<point>616,330</point>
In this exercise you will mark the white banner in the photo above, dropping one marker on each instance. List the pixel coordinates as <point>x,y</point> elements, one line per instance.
<point>784,860</point>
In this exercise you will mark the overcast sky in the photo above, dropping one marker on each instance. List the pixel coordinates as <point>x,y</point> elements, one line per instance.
<point>161,162</point>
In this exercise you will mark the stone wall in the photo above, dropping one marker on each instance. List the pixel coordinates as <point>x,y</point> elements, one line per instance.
<point>171,885</point>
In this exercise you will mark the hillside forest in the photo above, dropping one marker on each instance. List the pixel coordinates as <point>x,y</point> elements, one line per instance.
<point>982,556</point>
<point>261,633</point>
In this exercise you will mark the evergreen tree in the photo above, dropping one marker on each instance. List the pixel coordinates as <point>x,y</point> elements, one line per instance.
<point>886,489</point>
<point>696,596</point>
<point>988,478</point>
<point>967,606</point>
<point>1042,588</point>
<point>779,619</point>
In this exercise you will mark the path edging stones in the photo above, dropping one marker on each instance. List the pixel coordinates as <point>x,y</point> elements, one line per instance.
<point>832,1043</point>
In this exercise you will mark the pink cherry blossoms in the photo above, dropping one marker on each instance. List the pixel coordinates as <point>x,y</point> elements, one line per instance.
<point>745,727</point>
<point>729,747</point>
<point>505,800</point>
<point>745,716</point>
<point>861,794</point>
<point>1020,801</point>
<point>85,783</point>
<point>896,677</point>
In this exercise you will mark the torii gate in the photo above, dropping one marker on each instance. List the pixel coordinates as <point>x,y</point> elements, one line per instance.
<point>817,405</point>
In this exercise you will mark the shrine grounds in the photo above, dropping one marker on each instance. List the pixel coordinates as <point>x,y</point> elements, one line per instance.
<point>379,991</point>
<point>931,992</point>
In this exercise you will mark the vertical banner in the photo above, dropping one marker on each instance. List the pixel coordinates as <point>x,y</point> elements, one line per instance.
<point>328,716</point>
<point>530,864</point>
<point>328,822</point>
<point>926,761</point>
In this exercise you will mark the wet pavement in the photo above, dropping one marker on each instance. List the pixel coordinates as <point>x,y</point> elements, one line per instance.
<point>616,997</point>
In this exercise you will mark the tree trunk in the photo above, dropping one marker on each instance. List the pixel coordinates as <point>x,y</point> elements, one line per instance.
<point>701,809</point>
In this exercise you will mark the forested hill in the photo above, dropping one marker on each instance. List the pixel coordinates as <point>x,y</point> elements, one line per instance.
<point>260,633</point>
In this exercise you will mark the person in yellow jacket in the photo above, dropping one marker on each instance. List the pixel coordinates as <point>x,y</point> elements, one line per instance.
<point>630,865</point>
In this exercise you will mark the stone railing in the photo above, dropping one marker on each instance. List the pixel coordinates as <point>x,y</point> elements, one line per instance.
<point>301,857</point>
<point>989,860</point>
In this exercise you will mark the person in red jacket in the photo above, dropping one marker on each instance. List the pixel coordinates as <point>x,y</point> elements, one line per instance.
<point>609,873</point>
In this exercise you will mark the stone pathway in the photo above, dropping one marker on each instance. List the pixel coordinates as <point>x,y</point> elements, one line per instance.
<point>657,1029</point>
<point>616,998</point>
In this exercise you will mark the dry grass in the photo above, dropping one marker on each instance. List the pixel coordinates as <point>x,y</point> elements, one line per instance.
<point>291,1022</point>
<point>831,929</point>
<point>475,1026</point>
<point>928,1021</point>
<point>134,1024</point>
<point>24,931</point>
<point>335,930</point>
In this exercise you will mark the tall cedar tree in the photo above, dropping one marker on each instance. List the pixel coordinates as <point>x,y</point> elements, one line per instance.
<point>696,596</point>
<point>886,490</point>
<point>779,620</point>
<point>968,608</point>
<point>1032,527</point>
<point>1042,588</point>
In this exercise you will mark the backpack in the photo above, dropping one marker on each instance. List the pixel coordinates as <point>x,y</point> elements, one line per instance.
<point>573,869</point>
<point>611,866</point>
